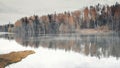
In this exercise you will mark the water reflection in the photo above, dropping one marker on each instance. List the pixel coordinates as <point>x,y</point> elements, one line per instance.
<point>104,45</point>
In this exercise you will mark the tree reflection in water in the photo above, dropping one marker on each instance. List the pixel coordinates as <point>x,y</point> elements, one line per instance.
<point>104,45</point>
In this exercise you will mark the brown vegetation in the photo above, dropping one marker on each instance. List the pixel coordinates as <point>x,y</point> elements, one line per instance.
<point>91,17</point>
<point>13,57</point>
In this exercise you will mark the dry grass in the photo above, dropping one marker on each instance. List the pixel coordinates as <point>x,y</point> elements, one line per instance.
<point>13,57</point>
<point>100,30</point>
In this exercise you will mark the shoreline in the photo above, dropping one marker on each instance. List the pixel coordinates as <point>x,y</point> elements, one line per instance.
<point>94,31</point>
<point>78,32</point>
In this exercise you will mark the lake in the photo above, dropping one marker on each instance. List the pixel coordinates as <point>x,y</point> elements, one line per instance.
<point>64,51</point>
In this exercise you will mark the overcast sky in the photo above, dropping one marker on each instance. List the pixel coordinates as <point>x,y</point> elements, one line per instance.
<point>12,10</point>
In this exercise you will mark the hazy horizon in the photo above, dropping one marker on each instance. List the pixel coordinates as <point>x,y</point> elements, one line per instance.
<point>12,10</point>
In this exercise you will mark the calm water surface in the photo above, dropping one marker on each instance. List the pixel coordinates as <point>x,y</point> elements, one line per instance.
<point>64,51</point>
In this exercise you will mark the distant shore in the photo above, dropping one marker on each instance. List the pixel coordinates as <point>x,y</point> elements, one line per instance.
<point>94,31</point>
<point>1,33</point>
<point>81,32</point>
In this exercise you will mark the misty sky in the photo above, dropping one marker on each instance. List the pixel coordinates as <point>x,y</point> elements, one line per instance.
<point>12,10</point>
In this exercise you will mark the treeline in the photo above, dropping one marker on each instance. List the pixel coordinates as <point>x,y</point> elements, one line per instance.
<point>101,17</point>
<point>6,28</point>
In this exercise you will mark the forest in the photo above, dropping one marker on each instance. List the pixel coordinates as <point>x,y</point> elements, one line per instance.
<point>99,17</point>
